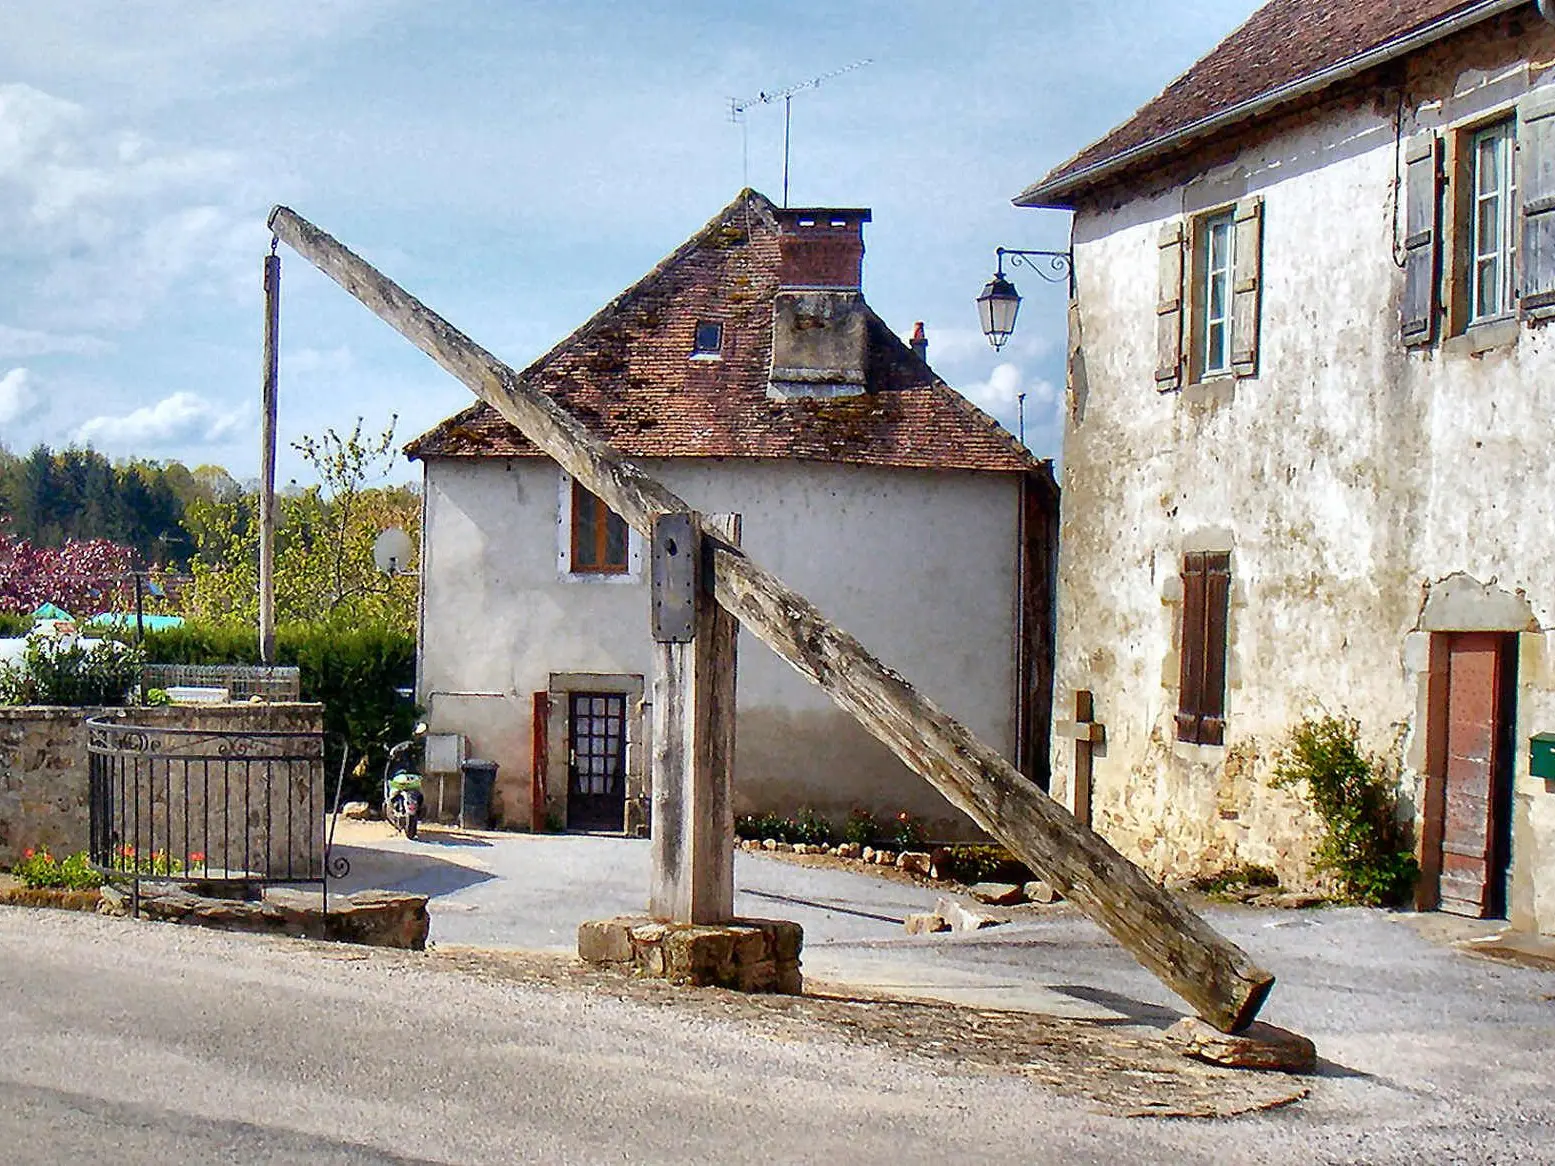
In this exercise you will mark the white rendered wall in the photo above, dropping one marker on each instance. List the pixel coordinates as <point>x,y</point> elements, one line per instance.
<point>920,566</point>
<point>1350,479</point>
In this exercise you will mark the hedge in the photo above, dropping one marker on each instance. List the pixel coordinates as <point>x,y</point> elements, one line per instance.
<point>353,671</point>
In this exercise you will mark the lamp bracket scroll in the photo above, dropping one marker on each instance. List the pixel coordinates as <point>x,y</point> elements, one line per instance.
<point>999,304</point>
<point>1053,266</point>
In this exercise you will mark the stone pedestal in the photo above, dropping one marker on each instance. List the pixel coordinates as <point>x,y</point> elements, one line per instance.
<point>748,955</point>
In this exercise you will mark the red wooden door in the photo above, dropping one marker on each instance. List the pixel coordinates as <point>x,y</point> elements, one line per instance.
<point>1471,864</point>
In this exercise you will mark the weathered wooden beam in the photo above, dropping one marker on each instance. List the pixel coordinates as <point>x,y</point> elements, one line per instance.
<point>1201,966</point>
<point>624,488</point>
<point>1189,956</point>
<point>693,734</point>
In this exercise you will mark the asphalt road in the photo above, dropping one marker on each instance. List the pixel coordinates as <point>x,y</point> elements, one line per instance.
<point>141,1043</point>
<point>149,1043</point>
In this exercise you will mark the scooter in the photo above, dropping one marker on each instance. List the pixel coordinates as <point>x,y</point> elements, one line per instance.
<point>402,798</point>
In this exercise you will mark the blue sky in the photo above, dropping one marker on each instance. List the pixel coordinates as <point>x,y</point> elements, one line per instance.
<point>514,165</point>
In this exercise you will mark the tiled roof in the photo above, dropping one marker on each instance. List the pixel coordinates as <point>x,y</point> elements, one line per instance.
<point>628,374</point>
<point>1283,44</point>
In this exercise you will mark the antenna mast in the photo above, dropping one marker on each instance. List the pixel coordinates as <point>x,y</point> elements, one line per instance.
<point>738,107</point>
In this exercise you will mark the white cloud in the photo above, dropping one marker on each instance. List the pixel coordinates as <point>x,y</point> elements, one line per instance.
<point>180,419</point>
<point>102,222</point>
<point>16,396</point>
<point>1000,392</point>
<point>24,342</point>
<point>317,362</point>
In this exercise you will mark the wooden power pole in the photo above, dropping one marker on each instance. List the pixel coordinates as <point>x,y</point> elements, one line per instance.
<point>1203,967</point>
<point>267,458</point>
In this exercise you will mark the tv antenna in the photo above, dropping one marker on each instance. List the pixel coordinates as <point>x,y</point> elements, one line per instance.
<point>738,107</point>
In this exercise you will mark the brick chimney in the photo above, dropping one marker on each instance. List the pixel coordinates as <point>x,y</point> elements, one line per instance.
<point>820,247</point>
<point>920,342</point>
<point>820,325</point>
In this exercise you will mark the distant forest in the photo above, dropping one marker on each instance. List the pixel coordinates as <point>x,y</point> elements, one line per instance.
<point>49,496</point>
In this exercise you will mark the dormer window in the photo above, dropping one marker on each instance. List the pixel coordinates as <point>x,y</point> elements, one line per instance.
<point>709,340</point>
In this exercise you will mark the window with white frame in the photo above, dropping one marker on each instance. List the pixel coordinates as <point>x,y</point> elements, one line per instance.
<point>1492,242</point>
<point>1217,241</point>
<point>1210,295</point>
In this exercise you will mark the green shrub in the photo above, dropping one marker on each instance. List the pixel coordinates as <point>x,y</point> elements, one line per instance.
<point>1235,879</point>
<point>81,672</point>
<point>861,829</point>
<point>810,827</point>
<point>353,671</point>
<point>981,864</point>
<point>907,832</point>
<point>39,868</point>
<point>1365,847</point>
<point>14,625</point>
<point>760,827</point>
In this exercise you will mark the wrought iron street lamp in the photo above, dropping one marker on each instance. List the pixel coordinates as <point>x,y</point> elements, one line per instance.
<point>999,304</point>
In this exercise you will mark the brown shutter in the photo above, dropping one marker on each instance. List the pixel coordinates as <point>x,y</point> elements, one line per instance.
<point>1536,180</point>
<point>1190,692</point>
<point>1168,309</point>
<point>1217,607</point>
<point>1247,286</point>
<point>1422,236</point>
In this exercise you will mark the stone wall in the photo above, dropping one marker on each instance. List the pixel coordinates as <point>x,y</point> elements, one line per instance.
<point>44,771</point>
<point>1355,484</point>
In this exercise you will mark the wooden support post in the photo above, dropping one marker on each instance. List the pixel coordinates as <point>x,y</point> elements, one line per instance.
<point>693,724</point>
<point>1087,733</point>
<point>1204,968</point>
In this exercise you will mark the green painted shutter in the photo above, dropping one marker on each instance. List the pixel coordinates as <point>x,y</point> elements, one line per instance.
<point>1247,286</point>
<point>1536,160</point>
<point>1422,238</point>
<point>1168,309</point>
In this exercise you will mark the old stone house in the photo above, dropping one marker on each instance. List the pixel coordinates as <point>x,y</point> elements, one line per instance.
<point>747,373</point>
<point>1305,460</point>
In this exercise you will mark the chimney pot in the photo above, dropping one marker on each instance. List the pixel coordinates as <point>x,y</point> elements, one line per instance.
<point>920,342</point>
<point>821,247</point>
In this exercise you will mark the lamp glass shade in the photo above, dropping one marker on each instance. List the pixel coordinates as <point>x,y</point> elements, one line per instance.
<point>997,307</point>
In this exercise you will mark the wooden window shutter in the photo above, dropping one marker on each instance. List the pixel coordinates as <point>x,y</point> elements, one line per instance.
<point>1422,237</point>
<point>1168,309</point>
<point>1536,159</point>
<point>1247,286</point>
<point>1190,692</point>
<point>1217,608</point>
<point>1206,608</point>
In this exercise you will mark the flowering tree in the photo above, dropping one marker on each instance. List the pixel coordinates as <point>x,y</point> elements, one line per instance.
<point>83,576</point>
<point>324,566</point>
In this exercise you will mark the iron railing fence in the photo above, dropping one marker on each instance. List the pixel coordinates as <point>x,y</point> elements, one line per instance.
<point>238,809</point>
<point>242,681</point>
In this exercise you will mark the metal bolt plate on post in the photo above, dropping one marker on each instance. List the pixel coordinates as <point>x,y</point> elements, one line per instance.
<point>674,571</point>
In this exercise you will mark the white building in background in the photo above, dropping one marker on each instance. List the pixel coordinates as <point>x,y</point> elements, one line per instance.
<point>747,374</point>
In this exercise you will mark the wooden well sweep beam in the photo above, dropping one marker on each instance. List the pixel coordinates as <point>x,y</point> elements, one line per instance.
<point>1208,971</point>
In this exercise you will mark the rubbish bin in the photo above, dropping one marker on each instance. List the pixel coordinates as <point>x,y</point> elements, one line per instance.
<point>479,778</point>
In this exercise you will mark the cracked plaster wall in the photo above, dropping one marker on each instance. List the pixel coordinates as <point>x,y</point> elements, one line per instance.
<point>1358,486</point>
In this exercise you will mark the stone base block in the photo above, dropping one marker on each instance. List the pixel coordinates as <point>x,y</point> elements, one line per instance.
<point>371,918</point>
<point>748,955</point>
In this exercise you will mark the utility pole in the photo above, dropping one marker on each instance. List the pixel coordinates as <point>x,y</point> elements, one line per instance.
<point>267,457</point>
